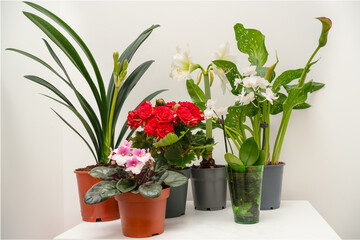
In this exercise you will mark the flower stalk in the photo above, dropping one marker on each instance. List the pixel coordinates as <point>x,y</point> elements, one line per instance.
<point>207,97</point>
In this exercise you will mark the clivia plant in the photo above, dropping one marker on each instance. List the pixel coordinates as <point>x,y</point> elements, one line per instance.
<point>99,122</point>
<point>135,171</point>
<point>168,131</point>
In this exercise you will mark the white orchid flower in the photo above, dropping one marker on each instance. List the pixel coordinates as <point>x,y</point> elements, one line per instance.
<point>269,95</point>
<point>251,82</point>
<point>245,99</point>
<point>237,81</point>
<point>181,65</point>
<point>221,111</point>
<point>223,53</point>
<point>263,83</point>
<point>210,103</point>
<point>209,113</point>
<point>249,71</point>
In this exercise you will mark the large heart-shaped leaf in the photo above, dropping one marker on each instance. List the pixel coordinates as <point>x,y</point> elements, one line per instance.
<point>152,190</point>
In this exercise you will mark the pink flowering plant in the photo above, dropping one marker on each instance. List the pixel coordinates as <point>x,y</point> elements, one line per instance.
<point>134,170</point>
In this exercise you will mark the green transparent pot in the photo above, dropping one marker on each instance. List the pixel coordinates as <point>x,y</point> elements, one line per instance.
<point>245,191</point>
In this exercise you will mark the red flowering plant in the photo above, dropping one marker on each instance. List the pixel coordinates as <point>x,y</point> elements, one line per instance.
<point>168,131</point>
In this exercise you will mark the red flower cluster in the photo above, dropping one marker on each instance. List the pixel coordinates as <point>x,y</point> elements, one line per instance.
<point>161,120</point>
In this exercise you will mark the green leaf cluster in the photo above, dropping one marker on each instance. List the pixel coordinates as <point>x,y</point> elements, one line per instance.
<point>96,125</point>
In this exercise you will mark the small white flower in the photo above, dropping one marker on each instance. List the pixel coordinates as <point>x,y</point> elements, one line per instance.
<point>263,83</point>
<point>269,95</point>
<point>245,99</point>
<point>181,65</point>
<point>210,103</point>
<point>251,82</point>
<point>237,81</point>
<point>249,71</point>
<point>221,111</point>
<point>209,113</point>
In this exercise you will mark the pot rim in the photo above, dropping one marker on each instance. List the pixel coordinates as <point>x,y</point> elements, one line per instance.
<point>208,169</point>
<point>81,172</point>
<point>276,165</point>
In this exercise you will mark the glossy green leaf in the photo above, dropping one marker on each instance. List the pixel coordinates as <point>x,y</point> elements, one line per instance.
<point>277,106</point>
<point>169,139</point>
<point>175,179</point>
<point>233,160</point>
<point>286,77</point>
<point>152,190</point>
<point>103,173</point>
<point>231,73</point>
<point>297,96</point>
<point>302,106</point>
<point>125,185</point>
<point>196,94</point>
<point>249,152</point>
<point>251,42</point>
<point>261,159</point>
<point>316,86</point>
<point>160,164</point>
<point>100,192</point>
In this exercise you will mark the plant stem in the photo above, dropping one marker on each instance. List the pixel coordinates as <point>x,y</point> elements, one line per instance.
<point>306,68</point>
<point>256,125</point>
<point>266,119</point>
<point>280,137</point>
<point>207,97</point>
<point>112,114</point>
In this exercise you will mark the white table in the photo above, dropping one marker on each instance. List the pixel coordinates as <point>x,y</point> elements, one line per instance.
<point>293,220</point>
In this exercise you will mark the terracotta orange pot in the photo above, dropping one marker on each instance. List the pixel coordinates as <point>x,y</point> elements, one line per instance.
<point>101,212</point>
<point>140,216</point>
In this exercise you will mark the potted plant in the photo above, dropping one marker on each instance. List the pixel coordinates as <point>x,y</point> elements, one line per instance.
<point>168,133</point>
<point>100,128</point>
<point>140,185</point>
<point>260,95</point>
<point>208,180</point>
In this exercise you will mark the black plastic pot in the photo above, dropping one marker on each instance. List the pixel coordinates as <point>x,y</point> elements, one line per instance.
<point>176,203</point>
<point>271,186</point>
<point>209,188</point>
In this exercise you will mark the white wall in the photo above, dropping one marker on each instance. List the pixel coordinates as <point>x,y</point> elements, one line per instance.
<point>39,153</point>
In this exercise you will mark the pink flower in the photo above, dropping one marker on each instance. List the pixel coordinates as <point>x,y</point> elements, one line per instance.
<point>112,152</point>
<point>138,152</point>
<point>123,151</point>
<point>120,155</point>
<point>134,165</point>
<point>126,144</point>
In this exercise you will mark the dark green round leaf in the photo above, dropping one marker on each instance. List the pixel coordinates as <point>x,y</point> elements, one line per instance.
<point>150,191</point>
<point>175,179</point>
<point>125,185</point>
<point>249,152</point>
<point>233,160</point>
<point>100,192</point>
<point>103,173</point>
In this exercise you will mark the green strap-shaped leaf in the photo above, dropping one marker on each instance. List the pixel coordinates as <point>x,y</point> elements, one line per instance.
<point>79,41</point>
<point>286,77</point>
<point>251,42</point>
<point>86,142</point>
<point>125,126</point>
<point>196,94</point>
<point>49,86</point>
<point>83,121</point>
<point>128,54</point>
<point>126,88</point>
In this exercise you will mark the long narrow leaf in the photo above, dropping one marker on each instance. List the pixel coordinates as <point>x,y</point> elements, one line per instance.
<point>39,61</point>
<point>127,87</point>
<point>125,127</point>
<point>76,133</point>
<point>128,54</point>
<point>79,41</point>
<point>49,86</point>
<point>83,121</point>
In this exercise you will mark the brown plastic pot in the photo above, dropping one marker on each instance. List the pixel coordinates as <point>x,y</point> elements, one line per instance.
<point>101,212</point>
<point>140,216</point>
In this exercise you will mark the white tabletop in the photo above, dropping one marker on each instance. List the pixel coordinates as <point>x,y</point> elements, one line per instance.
<point>293,220</point>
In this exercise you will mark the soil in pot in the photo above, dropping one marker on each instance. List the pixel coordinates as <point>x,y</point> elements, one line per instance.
<point>140,216</point>
<point>101,212</point>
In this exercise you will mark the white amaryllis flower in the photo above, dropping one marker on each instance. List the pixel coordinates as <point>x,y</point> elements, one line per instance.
<point>269,95</point>
<point>209,113</point>
<point>223,53</point>
<point>263,83</point>
<point>249,71</point>
<point>251,82</point>
<point>210,103</point>
<point>221,111</point>
<point>245,99</point>
<point>237,81</point>
<point>181,65</point>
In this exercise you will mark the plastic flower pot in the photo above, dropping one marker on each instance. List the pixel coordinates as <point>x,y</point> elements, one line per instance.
<point>102,212</point>
<point>245,191</point>
<point>140,216</point>
<point>209,188</point>
<point>176,203</point>
<point>271,188</point>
